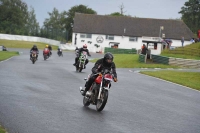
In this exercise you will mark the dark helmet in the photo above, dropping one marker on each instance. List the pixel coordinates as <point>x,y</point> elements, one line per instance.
<point>35,46</point>
<point>108,58</point>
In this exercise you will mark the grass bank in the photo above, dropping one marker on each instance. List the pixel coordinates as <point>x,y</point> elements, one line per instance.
<point>131,61</point>
<point>191,51</point>
<point>178,77</point>
<point>6,54</point>
<point>23,44</point>
<point>2,130</point>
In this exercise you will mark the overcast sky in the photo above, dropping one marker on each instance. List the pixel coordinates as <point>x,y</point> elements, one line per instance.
<point>162,9</point>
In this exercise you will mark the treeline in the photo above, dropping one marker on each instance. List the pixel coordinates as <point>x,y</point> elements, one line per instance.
<point>16,18</point>
<point>191,15</point>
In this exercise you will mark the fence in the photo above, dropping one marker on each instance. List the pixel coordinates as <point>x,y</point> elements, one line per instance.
<point>142,58</point>
<point>120,51</point>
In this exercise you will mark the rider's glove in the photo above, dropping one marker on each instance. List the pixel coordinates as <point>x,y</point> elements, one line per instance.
<point>95,71</point>
<point>115,79</point>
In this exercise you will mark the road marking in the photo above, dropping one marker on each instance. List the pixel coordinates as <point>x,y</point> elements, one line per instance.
<point>6,60</point>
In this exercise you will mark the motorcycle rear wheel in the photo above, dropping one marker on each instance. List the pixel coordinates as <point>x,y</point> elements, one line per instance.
<point>101,103</point>
<point>85,101</point>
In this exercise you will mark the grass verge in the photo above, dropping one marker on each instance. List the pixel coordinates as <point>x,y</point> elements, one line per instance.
<point>2,130</point>
<point>24,44</point>
<point>178,77</point>
<point>6,54</point>
<point>131,61</point>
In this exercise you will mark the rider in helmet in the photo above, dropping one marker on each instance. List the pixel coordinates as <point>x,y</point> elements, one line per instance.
<point>34,48</point>
<point>50,49</point>
<point>84,48</point>
<point>106,62</point>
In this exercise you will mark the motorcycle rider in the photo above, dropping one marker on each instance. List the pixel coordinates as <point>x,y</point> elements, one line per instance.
<point>50,49</point>
<point>106,62</point>
<point>76,48</point>
<point>46,47</point>
<point>34,48</point>
<point>84,48</point>
<point>59,51</point>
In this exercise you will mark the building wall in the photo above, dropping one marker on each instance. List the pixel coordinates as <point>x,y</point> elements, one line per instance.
<point>122,40</point>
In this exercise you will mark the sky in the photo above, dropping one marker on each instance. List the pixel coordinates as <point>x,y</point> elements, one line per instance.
<point>161,9</point>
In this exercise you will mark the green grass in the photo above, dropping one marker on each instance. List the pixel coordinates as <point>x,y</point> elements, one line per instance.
<point>2,130</point>
<point>131,61</point>
<point>188,50</point>
<point>178,77</point>
<point>24,44</point>
<point>6,54</point>
<point>181,56</point>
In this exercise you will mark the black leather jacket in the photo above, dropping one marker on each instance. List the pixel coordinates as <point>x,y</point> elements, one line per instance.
<point>34,49</point>
<point>81,50</point>
<point>101,64</point>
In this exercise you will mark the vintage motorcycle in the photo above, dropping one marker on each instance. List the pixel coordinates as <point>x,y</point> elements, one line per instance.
<point>98,92</point>
<point>81,62</point>
<point>60,53</point>
<point>34,55</point>
<point>46,53</point>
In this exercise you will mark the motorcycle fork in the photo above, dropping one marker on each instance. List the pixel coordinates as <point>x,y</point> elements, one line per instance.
<point>100,89</point>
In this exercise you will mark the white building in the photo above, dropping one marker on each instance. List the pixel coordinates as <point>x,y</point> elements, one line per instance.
<point>126,32</point>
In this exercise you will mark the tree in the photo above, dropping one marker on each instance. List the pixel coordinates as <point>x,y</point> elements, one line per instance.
<point>32,26</point>
<point>13,16</point>
<point>121,13</point>
<point>55,25</point>
<point>71,14</point>
<point>122,9</point>
<point>191,14</point>
<point>116,14</point>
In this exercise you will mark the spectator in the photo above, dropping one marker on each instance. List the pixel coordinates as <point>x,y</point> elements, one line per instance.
<point>192,40</point>
<point>144,49</point>
<point>182,41</point>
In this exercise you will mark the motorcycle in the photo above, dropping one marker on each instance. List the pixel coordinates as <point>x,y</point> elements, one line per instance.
<point>46,53</point>
<point>98,92</point>
<point>4,48</point>
<point>77,53</point>
<point>81,62</point>
<point>34,55</point>
<point>60,53</point>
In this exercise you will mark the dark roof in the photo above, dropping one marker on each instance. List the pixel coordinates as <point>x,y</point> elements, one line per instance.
<point>135,27</point>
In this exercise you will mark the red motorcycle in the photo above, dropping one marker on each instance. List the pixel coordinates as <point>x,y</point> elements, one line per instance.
<point>46,53</point>
<point>98,92</point>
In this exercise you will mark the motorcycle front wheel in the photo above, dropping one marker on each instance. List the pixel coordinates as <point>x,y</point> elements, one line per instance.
<point>101,103</point>
<point>85,101</point>
<point>33,60</point>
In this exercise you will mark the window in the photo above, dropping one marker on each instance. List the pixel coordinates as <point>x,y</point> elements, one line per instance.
<point>82,35</point>
<point>109,37</point>
<point>133,39</point>
<point>85,35</point>
<point>88,35</point>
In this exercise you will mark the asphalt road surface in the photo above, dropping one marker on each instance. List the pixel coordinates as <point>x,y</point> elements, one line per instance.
<point>44,98</point>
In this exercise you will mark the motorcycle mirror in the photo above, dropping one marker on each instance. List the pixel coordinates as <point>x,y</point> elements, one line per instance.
<point>85,78</point>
